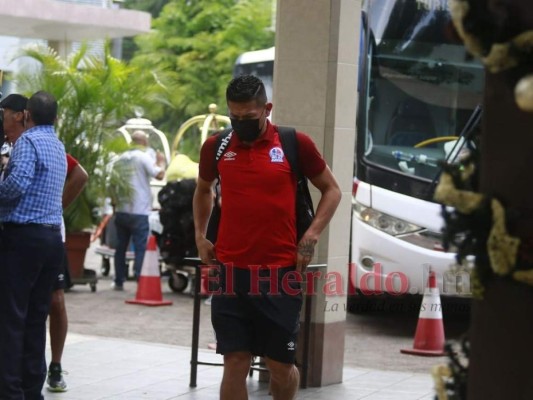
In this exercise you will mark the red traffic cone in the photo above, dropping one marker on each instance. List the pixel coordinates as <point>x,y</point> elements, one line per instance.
<point>429,336</point>
<point>149,285</point>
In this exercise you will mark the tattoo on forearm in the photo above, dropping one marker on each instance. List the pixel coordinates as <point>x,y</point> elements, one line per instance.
<point>306,248</point>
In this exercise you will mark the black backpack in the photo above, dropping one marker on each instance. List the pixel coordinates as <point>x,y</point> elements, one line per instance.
<point>176,241</point>
<point>289,142</point>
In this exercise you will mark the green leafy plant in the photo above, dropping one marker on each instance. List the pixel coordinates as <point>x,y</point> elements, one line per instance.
<point>95,94</point>
<point>193,47</point>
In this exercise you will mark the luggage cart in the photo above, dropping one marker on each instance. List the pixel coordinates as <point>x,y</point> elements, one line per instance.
<point>89,277</point>
<point>175,199</point>
<point>107,234</point>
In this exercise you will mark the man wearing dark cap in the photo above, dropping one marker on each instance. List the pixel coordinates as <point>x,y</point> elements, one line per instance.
<point>13,108</point>
<point>31,248</point>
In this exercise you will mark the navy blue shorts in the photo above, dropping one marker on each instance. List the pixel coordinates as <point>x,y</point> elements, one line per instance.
<point>261,317</point>
<point>63,278</point>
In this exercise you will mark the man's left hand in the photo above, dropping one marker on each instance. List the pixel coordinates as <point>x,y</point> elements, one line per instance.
<point>305,253</point>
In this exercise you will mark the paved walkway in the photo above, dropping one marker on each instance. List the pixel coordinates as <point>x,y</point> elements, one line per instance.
<point>104,368</point>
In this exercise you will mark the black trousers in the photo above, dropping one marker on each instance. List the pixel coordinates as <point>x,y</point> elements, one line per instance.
<point>30,259</point>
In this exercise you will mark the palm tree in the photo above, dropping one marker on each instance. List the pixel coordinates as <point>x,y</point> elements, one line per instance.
<point>95,94</point>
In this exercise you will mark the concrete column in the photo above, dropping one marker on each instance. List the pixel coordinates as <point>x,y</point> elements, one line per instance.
<point>315,90</point>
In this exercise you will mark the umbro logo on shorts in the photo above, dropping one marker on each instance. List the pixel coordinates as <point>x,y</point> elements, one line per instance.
<point>290,346</point>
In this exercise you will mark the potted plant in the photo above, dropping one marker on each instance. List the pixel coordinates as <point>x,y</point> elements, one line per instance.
<point>95,94</point>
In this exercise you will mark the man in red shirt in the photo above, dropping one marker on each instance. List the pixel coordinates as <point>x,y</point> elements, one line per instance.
<point>75,181</point>
<point>258,315</point>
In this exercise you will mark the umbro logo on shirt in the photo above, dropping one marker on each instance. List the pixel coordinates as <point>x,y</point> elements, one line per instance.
<point>290,346</point>
<point>230,156</point>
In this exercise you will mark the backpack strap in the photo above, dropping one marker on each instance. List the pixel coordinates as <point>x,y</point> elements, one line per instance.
<point>289,143</point>
<point>223,140</point>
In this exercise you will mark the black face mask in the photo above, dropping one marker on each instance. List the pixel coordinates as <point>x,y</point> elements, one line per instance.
<point>247,130</point>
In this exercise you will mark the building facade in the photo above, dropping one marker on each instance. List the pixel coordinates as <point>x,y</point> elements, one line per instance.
<point>62,25</point>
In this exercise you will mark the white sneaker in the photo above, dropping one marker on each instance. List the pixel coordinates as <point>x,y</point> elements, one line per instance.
<point>116,287</point>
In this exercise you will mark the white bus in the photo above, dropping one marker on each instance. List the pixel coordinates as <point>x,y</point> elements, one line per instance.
<point>259,63</point>
<point>418,90</point>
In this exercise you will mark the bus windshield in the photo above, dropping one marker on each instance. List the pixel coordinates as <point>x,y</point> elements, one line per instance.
<point>419,87</point>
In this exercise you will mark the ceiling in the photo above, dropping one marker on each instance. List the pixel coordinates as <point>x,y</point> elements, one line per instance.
<point>53,20</point>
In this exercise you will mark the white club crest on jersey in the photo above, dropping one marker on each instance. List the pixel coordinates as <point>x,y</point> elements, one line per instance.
<point>276,154</point>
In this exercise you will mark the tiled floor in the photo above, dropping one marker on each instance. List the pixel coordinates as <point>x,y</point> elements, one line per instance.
<point>102,368</point>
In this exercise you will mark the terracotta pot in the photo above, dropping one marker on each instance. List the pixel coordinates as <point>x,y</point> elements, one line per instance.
<point>77,244</point>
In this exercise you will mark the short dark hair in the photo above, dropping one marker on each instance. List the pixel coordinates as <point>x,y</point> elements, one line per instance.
<point>246,88</point>
<point>43,108</point>
<point>15,102</point>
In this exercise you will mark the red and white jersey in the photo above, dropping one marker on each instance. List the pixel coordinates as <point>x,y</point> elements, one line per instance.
<point>258,220</point>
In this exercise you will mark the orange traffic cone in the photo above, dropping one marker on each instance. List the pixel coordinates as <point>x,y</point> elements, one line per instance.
<point>429,336</point>
<point>149,285</point>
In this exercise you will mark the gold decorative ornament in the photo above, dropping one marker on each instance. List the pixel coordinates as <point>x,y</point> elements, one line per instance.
<point>459,10</point>
<point>464,201</point>
<point>440,373</point>
<point>524,276</point>
<point>523,93</point>
<point>501,246</point>
<point>500,56</point>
